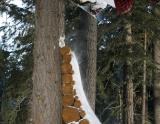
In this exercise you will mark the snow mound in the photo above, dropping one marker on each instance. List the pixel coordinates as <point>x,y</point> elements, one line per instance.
<point>90,115</point>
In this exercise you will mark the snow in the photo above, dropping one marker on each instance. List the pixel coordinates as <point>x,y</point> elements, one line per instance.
<point>2,20</point>
<point>90,115</point>
<point>19,3</point>
<point>5,20</point>
<point>100,3</point>
<point>62,41</point>
<point>83,1</point>
<point>110,2</point>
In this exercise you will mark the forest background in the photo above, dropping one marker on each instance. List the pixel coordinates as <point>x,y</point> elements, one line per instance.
<point>127,54</point>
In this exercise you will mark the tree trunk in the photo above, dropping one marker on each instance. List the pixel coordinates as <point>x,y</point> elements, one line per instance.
<point>86,50</point>
<point>144,95</point>
<point>128,104</point>
<point>46,73</point>
<point>90,79</point>
<point>157,82</point>
<point>121,106</point>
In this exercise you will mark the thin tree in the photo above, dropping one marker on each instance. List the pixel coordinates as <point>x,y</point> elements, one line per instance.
<point>144,91</point>
<point>157,73</point>
<point>46,73</point>
<point>128,115</point>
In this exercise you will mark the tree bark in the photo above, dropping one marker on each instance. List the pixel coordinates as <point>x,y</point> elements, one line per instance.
<point>144,95</point>
<point>90,79</point>
<point>86,50</point>
<point>157,82</point>
<point>128,88</point>
<point>46,73</point>
<point>121,106</point>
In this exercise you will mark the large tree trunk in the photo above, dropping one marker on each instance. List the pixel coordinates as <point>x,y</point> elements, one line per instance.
<point>157,82</point>
<point>46,72</point>
<point>86,50</point>
<point>128,89</point>
<point>90,79</point>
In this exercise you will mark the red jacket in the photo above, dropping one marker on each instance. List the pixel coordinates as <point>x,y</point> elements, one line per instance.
<point>124,6</point>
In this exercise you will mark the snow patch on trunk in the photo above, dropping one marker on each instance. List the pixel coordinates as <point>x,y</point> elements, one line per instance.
<point>62,41</point>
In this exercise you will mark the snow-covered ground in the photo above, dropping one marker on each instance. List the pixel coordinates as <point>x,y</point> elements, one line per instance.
<point>90,115</point>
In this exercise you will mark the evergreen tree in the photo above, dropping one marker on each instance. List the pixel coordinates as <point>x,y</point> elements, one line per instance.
<point>46,105</point>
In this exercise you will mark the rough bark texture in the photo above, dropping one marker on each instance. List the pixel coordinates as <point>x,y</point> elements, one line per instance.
<point>144,95</point>
<point>86,50</point>
<point>157,82</point>
<point>46,73</point>
<point>128,89</point>
<point>90,79</point>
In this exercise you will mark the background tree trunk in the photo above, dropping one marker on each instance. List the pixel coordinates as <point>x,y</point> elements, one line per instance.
<point>157,82</point>
<point>121,106</point>
<point>46,72</point>
<point>128,88</point>
<point>157,76</point>
<point>86,50</point>
<point>144,92</point>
